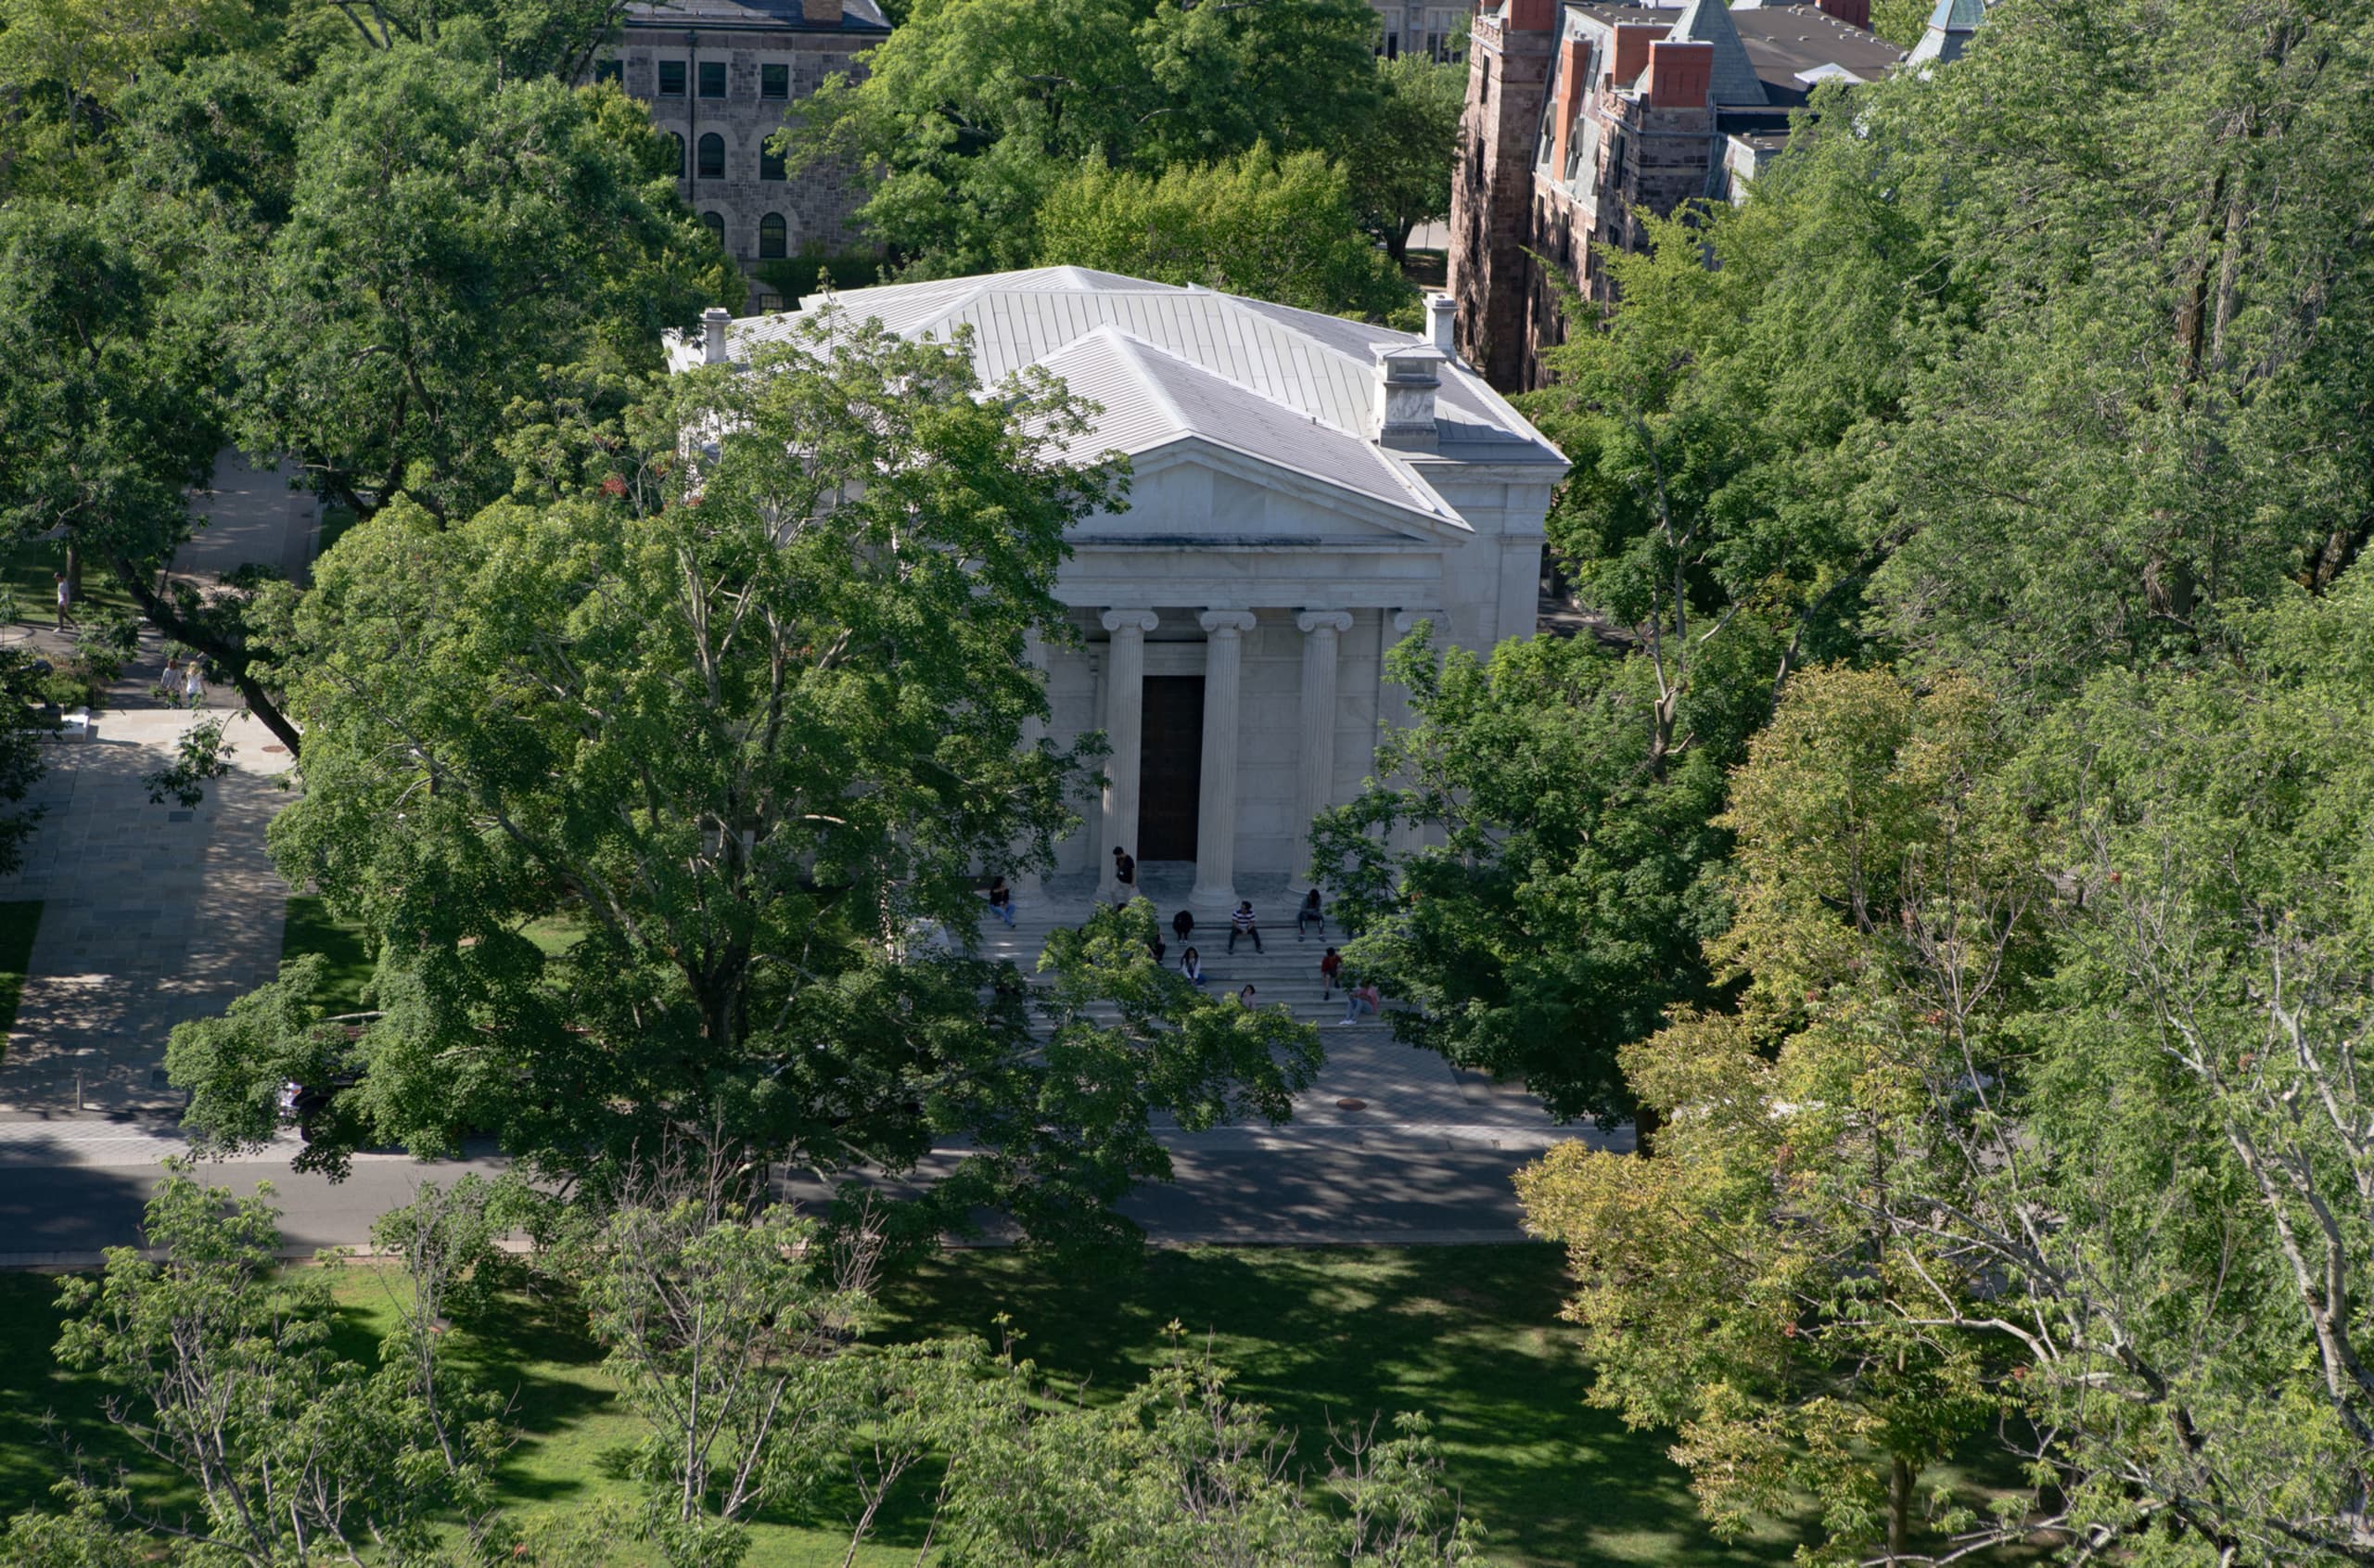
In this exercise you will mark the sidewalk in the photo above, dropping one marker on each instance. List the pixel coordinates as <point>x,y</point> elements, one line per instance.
<point>151,915</point>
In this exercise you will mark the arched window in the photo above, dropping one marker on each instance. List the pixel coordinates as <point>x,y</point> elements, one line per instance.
<point>771,238</point>
<point>712,156</point>
<point>679,140</point>
<point>770,163</point>
<point>715,223</point>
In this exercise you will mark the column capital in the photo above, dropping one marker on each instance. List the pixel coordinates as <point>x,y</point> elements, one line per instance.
<point>1217,621</point>
<point>1130,620</point>
<point>1406,620</point>
<point>1338,621</point>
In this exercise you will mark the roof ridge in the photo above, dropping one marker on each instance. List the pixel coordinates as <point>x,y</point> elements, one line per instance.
<point>1734,80</point>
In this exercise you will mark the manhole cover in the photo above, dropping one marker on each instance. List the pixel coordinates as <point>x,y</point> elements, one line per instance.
<point>1351,1104</point>
<point>181,816</point>
<point>278,750</point>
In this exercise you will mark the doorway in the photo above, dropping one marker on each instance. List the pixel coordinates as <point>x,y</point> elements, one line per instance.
<point>1171,767</point>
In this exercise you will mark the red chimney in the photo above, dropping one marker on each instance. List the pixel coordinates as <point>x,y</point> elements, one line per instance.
<point>1633,40</point>
<point>1681,74</point>
<point>1532,16</point>
<point>1854,13</point>
<point>1572,56</point>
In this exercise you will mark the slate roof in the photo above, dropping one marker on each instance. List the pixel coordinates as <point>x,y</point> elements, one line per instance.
<point>1288,388</point>
<point>1709,22</point>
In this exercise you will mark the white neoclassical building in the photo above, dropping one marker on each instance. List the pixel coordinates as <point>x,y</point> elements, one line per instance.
<point>1305,491</point>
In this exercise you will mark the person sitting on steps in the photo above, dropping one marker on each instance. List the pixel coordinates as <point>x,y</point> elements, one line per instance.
<point>1308,915</point>
<point>1191,963</point>
<point>1002,900</point>
<point>1182,924</point>
<point>1241,923</point>
<point>1360,998</point>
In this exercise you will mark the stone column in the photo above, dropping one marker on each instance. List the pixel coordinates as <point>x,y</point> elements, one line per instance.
<point>1216,803</point>
<point>1395,708</point>
<point>1125,696</point>
<point>1034,729</point>
<point>1319,630</point>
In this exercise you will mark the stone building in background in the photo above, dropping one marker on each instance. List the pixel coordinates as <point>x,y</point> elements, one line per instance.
<point>1580,112</point>
<point>722,76</point>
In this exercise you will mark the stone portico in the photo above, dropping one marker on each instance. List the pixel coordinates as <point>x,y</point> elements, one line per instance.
<point>1304,490</point>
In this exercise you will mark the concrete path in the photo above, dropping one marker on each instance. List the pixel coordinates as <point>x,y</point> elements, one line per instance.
<point>250,518</point>
<point>151,915</point>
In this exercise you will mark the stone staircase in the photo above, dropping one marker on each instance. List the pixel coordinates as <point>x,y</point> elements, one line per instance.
<point>1371,1090</point>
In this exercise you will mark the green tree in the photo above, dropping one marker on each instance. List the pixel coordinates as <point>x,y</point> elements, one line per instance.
<point>454,235</point>
<point>973,110</point>
<point>221,1371</point>
<point>1401,167</point>
<point>1744,1286</point>
<point>1273,228</point>
<point>743,729</point>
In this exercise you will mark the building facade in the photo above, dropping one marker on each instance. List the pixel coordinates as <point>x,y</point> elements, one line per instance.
<point>1582,112</point>
<point>1303,491</point>
<point>722,76</point>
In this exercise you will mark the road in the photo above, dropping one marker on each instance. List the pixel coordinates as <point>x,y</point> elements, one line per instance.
<point>68,1188</point>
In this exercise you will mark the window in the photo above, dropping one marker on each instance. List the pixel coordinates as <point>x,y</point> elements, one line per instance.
<point>712,156</point>
<point>774,81</point>
<point>611,70</point>
<point>680,153</point>
<point>715,223</point>
<point>770,163</point>
<point>672,79</point>
<point>712,79</point>
<point>771,238</point>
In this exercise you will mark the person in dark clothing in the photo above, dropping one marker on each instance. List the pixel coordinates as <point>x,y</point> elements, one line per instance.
<point>1002,900</point>
<point>1125,876</point>
<point>1241,923</point>
<point>1182,925</point>
<point>1309,915</point>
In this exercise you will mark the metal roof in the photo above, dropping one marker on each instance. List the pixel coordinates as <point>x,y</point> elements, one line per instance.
<point>1289,388</point>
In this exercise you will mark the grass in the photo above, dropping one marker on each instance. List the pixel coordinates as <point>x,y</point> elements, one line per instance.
<point>1468,1334</point>
<point>310,928</point>
<point>27,571</point>
<point>19,920</point>
<point>335,520</point>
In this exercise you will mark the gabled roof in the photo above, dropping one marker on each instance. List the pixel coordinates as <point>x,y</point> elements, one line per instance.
<point>1709,22</point>
<point>1290,389</point>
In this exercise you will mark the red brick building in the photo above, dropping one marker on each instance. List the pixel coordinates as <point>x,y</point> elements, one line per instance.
<point>1582,112</point>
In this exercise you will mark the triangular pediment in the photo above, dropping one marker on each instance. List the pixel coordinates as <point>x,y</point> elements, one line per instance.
<point>1194,492</point>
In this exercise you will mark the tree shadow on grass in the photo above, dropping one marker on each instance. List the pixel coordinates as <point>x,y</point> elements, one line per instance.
<point>1469,1335</point>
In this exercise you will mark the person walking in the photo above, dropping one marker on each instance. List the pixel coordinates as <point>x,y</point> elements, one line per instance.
<point>194,681</point>
<point>1360,998</point>
<point>1328,968</point>
<point>1002,900</point>
<point>64,598</point>
<point>1191,963</point>
<point>1125,876</point>
<point>1182,924</point>
<point>1309,915</point>
<point>1241,923</point>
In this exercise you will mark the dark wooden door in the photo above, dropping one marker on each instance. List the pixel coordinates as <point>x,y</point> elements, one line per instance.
<point>1171,767</point>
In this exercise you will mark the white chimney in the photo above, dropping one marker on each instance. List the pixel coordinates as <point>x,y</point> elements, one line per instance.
<point>714,320</point>
<point>1407,379</point>
<point>1442,323</point>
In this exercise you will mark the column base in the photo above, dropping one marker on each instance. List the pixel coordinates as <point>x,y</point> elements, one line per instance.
<point>1206,898</point>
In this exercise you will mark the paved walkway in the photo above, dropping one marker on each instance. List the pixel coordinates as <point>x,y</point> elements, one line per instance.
<point>150,914</point>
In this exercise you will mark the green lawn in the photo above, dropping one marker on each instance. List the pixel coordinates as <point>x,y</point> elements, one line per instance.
<point>28,570</point>
<point>19,920</point>
<point>310,928</point>
<point>1468,1334</point>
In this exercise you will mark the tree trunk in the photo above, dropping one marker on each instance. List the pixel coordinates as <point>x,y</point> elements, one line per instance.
<point>73,569</point>
<point>1899,1507</point>
<point>232,659</point>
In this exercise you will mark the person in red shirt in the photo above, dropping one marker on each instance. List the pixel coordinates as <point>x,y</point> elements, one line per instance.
<point>1329,968</point>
